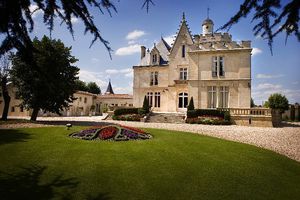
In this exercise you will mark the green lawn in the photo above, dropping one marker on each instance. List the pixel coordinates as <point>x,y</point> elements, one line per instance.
<point>44,163</point>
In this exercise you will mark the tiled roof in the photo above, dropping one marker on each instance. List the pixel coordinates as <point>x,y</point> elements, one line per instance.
<point>115,96</point>
<point>85,93</point>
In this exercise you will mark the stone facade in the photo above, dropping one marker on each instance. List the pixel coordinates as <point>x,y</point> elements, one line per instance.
<point>209,67</point>
<point>85,103</point>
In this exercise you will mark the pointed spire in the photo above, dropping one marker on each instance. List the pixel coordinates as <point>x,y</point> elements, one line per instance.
<point>208,12</point>
<point>109,89</point>
<point>183,17</point>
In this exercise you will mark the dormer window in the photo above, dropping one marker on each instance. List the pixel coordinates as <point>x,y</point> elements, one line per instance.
<point>183,51</point>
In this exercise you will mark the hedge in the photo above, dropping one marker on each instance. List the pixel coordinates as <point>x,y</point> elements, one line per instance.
<point>124,111</point>
<point>205,112</point>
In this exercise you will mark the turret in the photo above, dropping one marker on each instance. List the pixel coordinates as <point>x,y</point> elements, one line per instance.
<point>207,27</point>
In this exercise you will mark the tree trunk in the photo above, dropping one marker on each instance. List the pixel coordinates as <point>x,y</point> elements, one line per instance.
<point>6,97</point>
<point>34,114</point>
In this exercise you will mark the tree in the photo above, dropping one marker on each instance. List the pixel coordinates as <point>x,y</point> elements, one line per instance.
<point>270,22</point>
<point>81,85</point>
<point>4,73</point>
<point>49,86</point>
<point>278,101</point>
<point>191,104</point>
<point>252,104</point>
<point>146,106</point>
<point>16,19</point>
<point>92,87</point>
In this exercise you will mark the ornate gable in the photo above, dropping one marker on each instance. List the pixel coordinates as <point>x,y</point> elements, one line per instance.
<point>183,37</point>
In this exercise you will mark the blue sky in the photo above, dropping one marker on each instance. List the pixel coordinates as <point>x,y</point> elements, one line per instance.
<point>133,26</point>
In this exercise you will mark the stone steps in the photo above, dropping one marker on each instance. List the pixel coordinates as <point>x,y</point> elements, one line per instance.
<point>175,118</point>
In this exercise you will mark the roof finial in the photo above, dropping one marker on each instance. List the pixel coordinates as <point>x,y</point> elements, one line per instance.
<point>183,16</point>
<point>207,12</point>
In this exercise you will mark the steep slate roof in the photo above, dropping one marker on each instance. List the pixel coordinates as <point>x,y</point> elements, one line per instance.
<point>109,89</point>
<point>163,48</point>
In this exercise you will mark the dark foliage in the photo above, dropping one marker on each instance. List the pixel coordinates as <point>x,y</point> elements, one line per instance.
<point>252,104</point>
<point>205,112</point>
<point>49,86</point>
<point>292,112</point>
<point>92,87</point>
<point>124,111</point>
<point>278,101</point>
<point>191,104</point>
<point>16,19</point>
<point>146,106</point>
<point>81,85</point>
<point>270,15</point>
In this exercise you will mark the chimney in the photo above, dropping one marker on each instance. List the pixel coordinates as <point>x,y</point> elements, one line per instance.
<point>246,44</point>
<point>143,51</point>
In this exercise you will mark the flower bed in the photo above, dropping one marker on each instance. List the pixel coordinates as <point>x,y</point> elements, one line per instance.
<point>128,117</point>
<point>210,120</point>
<point>112,132</point>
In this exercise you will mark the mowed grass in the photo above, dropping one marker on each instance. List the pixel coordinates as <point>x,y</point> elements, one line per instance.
<point>44,163</point>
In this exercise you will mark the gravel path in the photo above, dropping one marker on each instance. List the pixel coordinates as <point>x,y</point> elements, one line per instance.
<point>284,140</point>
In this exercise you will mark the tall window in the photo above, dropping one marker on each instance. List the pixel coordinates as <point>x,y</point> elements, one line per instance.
<point>183,74</point>
<point>223,99</point>
<point>215,66</point>
<point>212,97</point>
<point>149,98</point>
<point>154,58</point>
<point>221,66</point>
<point>157,99</point>
<point>218,66</point>
<point>182,100</point>
<point>154,78</point>
<point>183,51</point>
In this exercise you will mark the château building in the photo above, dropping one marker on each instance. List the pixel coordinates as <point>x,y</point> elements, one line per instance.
<point>210,67</point>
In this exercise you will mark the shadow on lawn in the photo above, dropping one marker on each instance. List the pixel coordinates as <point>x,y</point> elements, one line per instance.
<point>12,135</point>
<point>27,184</point>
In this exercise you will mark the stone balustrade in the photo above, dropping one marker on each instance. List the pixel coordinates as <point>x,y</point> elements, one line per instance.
<point>254,116</point>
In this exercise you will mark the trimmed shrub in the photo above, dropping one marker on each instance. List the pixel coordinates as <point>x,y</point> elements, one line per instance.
<point>141,111</point>
<point>146,106</point>
<point>191,104</point>
<point>227,116</point>
<point>205,112</point>
<point>124,111</point>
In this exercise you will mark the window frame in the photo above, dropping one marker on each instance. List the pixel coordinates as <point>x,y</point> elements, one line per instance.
<point>212,97</point>
<point>183,73</point>
<point>157,98</point>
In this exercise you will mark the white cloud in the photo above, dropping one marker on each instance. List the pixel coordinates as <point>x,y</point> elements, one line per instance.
<point>89,76</point>
<point>256,51</point>
<point>268,76</point>
<point>135,34</point>
<point>170,39</point>
<point>95,60</point>
<point>262,91</point>
<point>128,72</point>
<point>295,82</point>
<point>268,86</point>
<point>34,10</point>
<point>131,42</point>
<point>74,20</point>
<point>129,50</point>
<point>124,90</point>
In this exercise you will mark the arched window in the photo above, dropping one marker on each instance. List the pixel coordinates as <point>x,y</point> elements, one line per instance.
<point>182,100</point>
